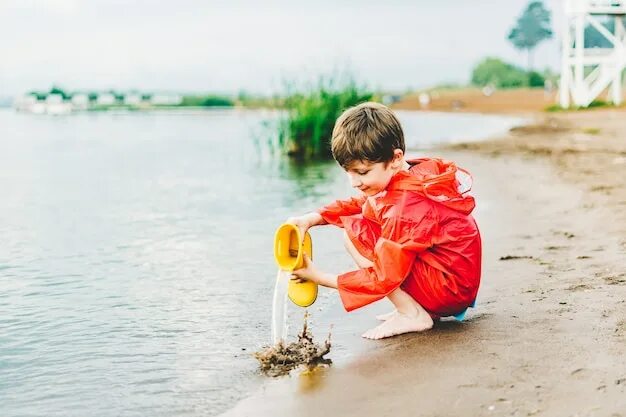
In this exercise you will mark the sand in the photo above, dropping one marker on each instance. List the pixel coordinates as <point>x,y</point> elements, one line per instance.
<point>585,148</point>
<point>513,101</point>
<point>548,335</point>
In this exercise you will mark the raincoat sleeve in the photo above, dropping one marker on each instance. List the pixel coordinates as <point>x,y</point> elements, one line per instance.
<point>333,212</point>
<point>401,240</point>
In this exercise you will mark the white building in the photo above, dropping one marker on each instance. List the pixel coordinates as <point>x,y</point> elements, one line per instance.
<point>105,99</point>
<point>132,99</point>
<point>25,103</point>
<point>56,106</point>
<point>31,104</point>
<point>80,101</point>
<point>166,99</point>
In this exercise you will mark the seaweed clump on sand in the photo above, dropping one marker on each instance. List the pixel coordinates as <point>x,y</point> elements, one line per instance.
<point>280,359</point>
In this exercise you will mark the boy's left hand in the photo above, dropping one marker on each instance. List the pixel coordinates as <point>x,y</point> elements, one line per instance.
<point>308,272</point>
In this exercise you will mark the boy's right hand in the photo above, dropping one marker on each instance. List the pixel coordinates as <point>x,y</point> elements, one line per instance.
<point>305,222</point>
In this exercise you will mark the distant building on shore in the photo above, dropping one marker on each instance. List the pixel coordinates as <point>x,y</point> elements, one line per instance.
<point>56,105</point>
<point>29,103</point>
<point>132,99</point>
<point>80,101</point>
<point>106,99</point>
<point>58,102</point>
<point>166,99</point>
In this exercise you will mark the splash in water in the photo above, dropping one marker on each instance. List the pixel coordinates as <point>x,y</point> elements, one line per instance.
<point>280,359</point>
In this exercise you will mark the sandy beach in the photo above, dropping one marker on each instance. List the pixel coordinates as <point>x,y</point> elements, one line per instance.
<point>548,335</point>
<point>518,101</point>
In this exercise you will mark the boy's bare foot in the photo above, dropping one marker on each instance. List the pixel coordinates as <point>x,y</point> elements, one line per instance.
<point>399,324</point>
<point>386,316</point>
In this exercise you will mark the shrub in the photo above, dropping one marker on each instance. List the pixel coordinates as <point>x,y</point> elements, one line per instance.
<point>501,74</point>
<point>535,79</point>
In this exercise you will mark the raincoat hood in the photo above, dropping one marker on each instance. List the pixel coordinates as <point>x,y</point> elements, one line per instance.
<point>439,180</point>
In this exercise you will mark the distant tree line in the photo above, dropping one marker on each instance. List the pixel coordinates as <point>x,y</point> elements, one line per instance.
<point>190,100</point>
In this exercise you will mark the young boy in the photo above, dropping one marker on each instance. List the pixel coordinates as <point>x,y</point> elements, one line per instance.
<point>410,231</point>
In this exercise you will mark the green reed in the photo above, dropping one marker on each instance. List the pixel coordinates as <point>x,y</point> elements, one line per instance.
<point>305,131</point>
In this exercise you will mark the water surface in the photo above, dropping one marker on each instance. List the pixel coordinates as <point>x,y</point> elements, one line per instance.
<point>136,270</point>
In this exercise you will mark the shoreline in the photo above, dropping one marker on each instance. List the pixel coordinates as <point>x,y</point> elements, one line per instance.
<point>548,332</point>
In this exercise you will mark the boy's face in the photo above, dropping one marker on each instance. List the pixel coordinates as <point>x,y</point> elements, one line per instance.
<point>373,177</point>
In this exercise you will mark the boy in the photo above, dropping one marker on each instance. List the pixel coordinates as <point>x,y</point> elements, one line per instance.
<point>410,231</point>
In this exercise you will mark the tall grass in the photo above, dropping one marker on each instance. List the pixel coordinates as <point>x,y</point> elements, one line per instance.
<point>593,105</point>
<point>306,129</point>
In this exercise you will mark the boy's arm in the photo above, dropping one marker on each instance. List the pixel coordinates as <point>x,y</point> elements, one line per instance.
<point>394,254</point>
<point>332,213</point>
<point>306,221</point>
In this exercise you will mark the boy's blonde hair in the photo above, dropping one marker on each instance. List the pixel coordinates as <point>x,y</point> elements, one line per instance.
<point>367,132</point>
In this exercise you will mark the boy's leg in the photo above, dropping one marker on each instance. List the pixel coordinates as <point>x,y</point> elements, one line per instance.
<point>362,262</point>
<point>410,317</point>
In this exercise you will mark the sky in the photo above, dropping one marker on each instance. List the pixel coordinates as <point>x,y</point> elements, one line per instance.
<point>229,46</point>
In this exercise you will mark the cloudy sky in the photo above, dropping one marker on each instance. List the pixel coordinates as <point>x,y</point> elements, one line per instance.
<point>227,46</point>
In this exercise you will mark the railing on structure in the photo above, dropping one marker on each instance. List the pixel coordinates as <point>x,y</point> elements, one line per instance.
<point>587,72</point>
<point>596,6</point>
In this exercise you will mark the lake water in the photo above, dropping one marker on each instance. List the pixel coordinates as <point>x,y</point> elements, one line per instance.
<point>136,268</point>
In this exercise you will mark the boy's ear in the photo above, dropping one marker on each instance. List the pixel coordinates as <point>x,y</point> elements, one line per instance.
<point>398,157</point>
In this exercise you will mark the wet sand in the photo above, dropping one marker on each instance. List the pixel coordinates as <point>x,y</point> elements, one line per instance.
<point>548,335</point>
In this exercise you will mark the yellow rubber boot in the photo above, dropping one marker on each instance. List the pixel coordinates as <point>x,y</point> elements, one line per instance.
<point>289,254</point>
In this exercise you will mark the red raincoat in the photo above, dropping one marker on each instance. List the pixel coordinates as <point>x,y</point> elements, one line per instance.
<point>420,236</point>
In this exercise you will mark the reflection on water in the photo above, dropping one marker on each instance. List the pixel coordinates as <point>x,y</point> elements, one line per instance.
<point>136,269</point>
<point>306,179</point>
<point>311,380</point>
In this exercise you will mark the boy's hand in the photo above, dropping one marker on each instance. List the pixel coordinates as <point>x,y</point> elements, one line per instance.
<point>305,222</point>
<point>308,272</point>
